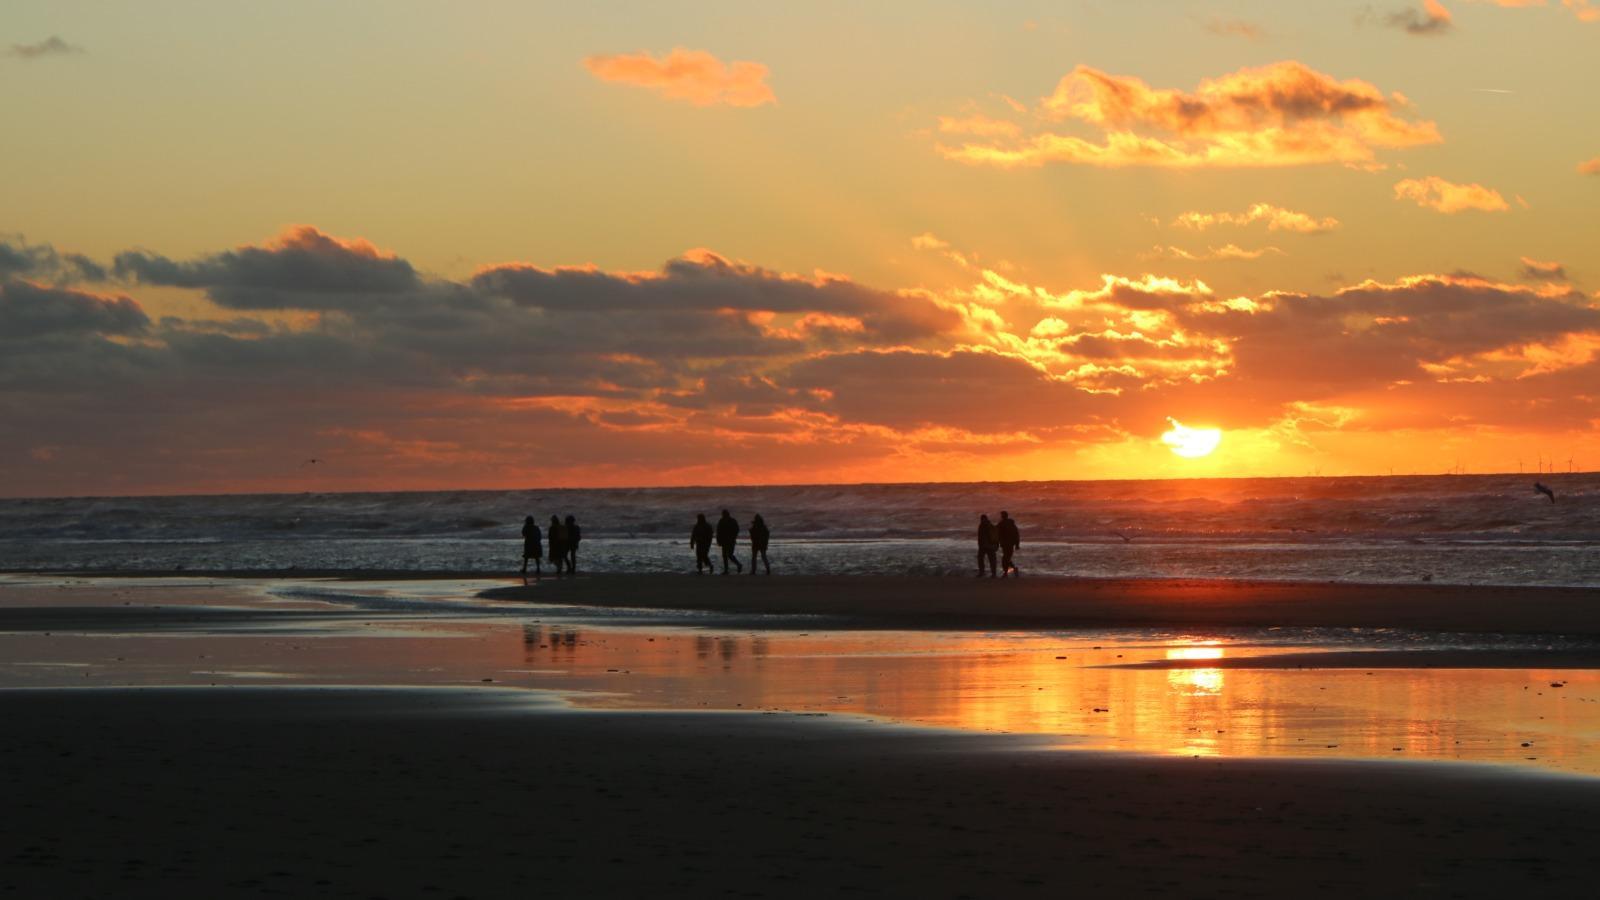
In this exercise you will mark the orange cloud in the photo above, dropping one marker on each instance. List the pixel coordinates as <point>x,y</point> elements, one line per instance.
<point>979,125</point>
<point>693,76</point>
<point>1283,114</point>
<point>1276,217</point>
<point>1226,251</point>
<point>1592,167</point>
<point>1534,269</point>
<point>1584,10</point>
<point>1435,193</point>
<point>1434,19</point>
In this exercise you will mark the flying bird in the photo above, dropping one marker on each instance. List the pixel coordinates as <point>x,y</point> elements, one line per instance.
<point>310,462</point>
<point>1545,491</point>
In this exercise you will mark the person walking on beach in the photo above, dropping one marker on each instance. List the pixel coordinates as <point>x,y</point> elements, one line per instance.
<point>574,535</point>
<point>700,538</point>
<point>531,547</point>
<point>988,539</point>
<point>1010,540</point>
<point>759,535</point>
<point>727,539</point>
<point>557,536</point>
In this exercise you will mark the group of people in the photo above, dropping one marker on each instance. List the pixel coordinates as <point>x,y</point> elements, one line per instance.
<point>562,539</point>
<point>726,534</point>
<point>1002,536</point>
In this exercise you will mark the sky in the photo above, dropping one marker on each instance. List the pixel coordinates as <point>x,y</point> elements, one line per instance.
<point>511,245</point>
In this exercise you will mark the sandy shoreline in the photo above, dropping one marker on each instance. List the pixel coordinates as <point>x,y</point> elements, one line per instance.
<point>473,790</point>
<point>1077,603</point>
<point>1041,602</point>
<point>238,792</point>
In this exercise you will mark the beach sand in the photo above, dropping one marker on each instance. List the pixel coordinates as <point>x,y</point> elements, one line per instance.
<point>390,793</point>
<point>485,792</point>
<point>930,602</point>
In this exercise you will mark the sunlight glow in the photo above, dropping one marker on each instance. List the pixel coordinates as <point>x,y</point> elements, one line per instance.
<point>1191,442</point>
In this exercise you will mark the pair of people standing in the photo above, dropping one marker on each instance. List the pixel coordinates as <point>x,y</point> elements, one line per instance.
<point>1004,537</point>
<point>726,535</point>
<point>563,540</point>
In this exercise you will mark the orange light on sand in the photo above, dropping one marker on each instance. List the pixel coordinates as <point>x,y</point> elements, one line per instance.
<point>1191,442</point>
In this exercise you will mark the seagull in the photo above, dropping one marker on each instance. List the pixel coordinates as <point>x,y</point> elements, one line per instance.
<point>1125,538</point>
<point>1545,491</point>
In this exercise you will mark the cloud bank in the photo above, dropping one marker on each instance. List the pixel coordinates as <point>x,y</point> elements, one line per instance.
<point>1283,114</point>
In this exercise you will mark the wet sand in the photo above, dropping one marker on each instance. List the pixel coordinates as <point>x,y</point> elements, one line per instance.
<point>479,791</point>
<point>932,602</point>
<point>345,793</point>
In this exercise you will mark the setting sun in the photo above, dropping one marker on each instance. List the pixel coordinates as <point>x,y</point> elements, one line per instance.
<point>1191,442</point>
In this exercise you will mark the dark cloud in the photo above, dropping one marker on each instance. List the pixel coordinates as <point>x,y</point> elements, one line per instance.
<point>1432,19</point>
<point>43,262</point>
<point>50,46</point>
<point>1541,270</point>
<point>906,389</point>
<point>706,282</point>
<point>303,269</point>
<point>29,310</point>
<point>659,376</point>
<point>1310,347</point>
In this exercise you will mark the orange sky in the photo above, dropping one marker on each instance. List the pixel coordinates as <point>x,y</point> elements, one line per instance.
<point>683,251</point>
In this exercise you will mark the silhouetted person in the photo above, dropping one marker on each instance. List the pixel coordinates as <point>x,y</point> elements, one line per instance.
<point>727,539</point>
<point>574,535</point>
<point>988,540</point>
<point>1010,540</point>
<point>557,536</point>
<point>759,536</point>
<point>532,547</point>
<point>700,538</point>
<point>1545,491</point>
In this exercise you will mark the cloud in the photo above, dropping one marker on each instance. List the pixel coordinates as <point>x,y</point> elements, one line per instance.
<point>705,282</point>
<point>1590,167</point>
<point>29,311</point>
<point>1583,10</point>
<point>971,390</point>
<point>693,76</point>
<point>1283,114</point>
<point>20,259</point>
<point>1535,270</point>
<point>978,125</point>
<point>1433,19</point>
<point>302,269</point>
<point>1435,193</point>
<point>1276,217</point>
<point>1234,28</point>
<point>50,46</point>
<point>1226,251</point>
<point>708,367</point>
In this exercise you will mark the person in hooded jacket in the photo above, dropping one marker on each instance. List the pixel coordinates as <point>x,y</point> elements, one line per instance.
<point>728,539</point>
<point>700,539</point>
<point>1010,540</point>
<point>557,536</point>
<point>574,535</point>
<point>988,542</point>
<point>532,547</point>
<point>759,536</point>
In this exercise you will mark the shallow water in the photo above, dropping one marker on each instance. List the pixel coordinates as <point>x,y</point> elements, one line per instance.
<point>1063,684</point>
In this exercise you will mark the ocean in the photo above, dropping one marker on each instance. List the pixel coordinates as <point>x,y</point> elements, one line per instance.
<point>1450,529</point>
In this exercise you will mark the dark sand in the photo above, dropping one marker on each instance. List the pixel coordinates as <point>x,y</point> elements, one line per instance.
<point>910,602</point>
<point>341,793</point>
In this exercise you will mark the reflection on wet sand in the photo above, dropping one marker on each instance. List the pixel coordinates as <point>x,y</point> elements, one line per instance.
<point>1071,685</point>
